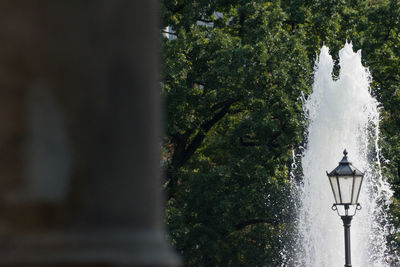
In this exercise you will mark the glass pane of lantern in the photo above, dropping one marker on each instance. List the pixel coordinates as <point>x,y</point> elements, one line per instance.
<point>335,188</point>
<point>356,190</point>
<point>346,186</point>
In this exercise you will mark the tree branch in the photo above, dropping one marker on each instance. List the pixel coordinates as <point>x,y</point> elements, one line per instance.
<point>254,221</point>
<point>205,20</point>
<point>223,103</point>
<point>198,139</point>
<point>183,151</point>
<point>167,32</point>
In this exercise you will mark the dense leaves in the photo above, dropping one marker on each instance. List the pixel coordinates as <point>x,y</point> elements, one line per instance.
<point>234,72</point>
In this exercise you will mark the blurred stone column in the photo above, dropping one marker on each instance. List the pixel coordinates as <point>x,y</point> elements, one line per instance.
<point>79,134</point>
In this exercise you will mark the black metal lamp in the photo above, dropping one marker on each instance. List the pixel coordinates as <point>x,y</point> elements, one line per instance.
<point>346,183</point>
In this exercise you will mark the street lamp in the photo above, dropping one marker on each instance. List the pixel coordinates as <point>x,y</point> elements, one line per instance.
<point>346,183</point>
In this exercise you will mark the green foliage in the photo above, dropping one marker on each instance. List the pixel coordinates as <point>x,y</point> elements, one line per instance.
<point>233,76</point>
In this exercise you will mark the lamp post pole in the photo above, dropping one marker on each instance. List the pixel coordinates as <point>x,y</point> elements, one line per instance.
<point>346,224</point>
<point>346,182</point>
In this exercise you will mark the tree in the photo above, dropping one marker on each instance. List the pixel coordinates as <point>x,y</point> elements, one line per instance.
<point>233,116</point>
<point>381,41</point>
<point>232,81</point>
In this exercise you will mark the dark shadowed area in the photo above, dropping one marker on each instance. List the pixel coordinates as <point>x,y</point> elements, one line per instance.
<point>79,135</point>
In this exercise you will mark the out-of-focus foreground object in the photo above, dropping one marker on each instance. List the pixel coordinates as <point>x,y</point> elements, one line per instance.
<point>79,135</point>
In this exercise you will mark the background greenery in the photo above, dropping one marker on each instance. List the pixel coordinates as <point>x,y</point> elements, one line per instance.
<point>233,76</point>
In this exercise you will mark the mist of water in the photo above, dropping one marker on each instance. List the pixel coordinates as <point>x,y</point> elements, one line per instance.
<point>341,113</point>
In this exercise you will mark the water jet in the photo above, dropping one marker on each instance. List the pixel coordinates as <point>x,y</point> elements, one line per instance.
<point>341,113</point>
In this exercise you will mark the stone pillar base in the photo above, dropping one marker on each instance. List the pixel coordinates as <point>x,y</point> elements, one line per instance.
<point>102,247</point>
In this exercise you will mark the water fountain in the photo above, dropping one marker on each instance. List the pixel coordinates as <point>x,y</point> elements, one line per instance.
<point>341,113</point>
